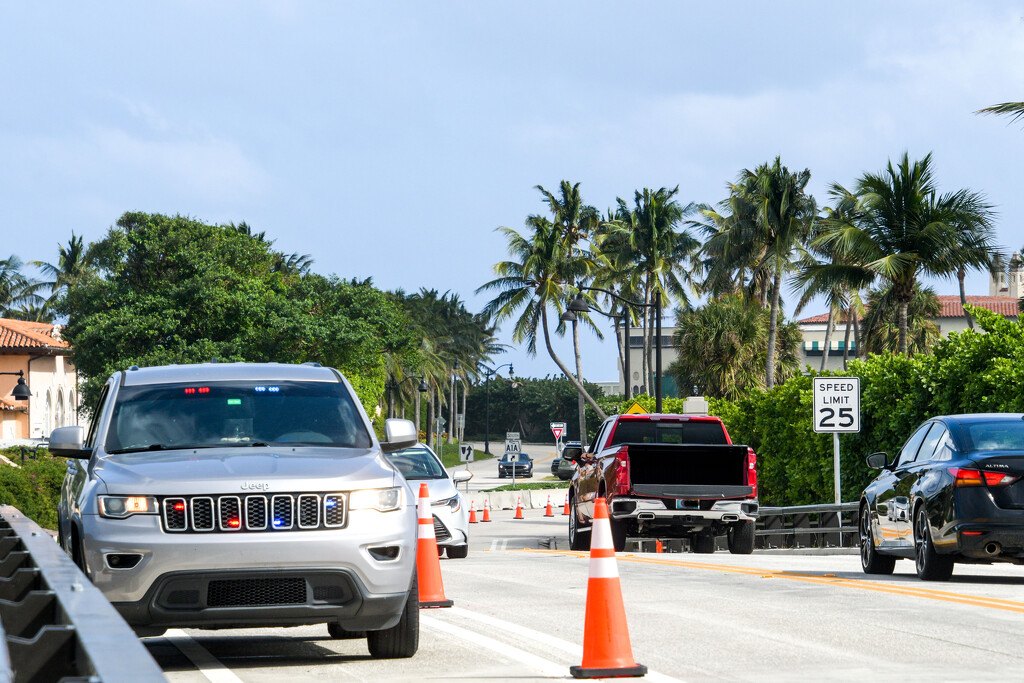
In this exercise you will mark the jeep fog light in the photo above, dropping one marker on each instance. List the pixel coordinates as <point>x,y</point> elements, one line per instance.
<point>120,507</point>
<point>384,500</point>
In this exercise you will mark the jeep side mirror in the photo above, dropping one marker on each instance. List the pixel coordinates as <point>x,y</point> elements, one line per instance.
<point>398,434</point>
<point>878,461</point>
<point>69,443</point>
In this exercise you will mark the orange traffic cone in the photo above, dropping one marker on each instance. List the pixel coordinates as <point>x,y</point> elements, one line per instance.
<point>519,508</point>
<point>547,510</point>
<point>472,512</point>
<point>606,649</point>
<point>487,511</point>
<point>428,567</point>
<point>565,510</point>
<point>658,547</point>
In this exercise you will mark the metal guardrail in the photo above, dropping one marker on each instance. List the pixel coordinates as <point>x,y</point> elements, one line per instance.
<point>809,526</point>
<point>58,626</point>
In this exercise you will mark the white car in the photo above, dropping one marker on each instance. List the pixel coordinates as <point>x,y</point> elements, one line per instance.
<point>451,518</point>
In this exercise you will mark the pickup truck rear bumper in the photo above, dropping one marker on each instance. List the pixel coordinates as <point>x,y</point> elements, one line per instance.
<point>654,512</point>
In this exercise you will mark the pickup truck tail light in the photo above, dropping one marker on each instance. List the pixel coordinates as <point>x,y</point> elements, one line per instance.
<point>752,469</point>
<point>622,473</point>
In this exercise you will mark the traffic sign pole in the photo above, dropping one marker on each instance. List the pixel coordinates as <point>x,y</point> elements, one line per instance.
<point>836,409</point>
<point>835,466</point>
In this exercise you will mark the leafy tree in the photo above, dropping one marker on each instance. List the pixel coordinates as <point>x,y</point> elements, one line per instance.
<point>176,290</point>
<point>722,348</point>
<point>880,332</point>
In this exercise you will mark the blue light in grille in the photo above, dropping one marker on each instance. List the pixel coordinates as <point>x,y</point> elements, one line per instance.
<point>330,502</point>
<point>278,522</point>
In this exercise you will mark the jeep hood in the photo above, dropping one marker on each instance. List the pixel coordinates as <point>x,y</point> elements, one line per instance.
<point>240,471</point>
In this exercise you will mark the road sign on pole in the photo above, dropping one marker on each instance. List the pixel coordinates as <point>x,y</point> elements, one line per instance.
<point>836,410</point>
<point>558,428</point>
<point>465,452</point>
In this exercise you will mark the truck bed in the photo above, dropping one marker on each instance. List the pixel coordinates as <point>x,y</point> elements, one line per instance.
<point>688,470</point>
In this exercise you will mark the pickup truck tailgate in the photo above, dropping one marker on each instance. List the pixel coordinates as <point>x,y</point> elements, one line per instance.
<point>688,470</point>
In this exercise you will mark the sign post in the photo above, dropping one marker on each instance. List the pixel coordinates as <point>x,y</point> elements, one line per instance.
<point>513,446</point>
<point>836,410</point>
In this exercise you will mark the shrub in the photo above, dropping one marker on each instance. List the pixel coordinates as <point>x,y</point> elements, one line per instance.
<point>33,488</point>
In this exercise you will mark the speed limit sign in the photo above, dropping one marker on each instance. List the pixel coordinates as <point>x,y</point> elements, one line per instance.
<point>837,404</point>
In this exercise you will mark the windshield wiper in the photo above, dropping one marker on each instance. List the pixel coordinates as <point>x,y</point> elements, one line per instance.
<point>160,447</point>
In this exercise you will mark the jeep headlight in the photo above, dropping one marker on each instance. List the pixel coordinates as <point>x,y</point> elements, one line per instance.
<point>383,500</point>
<point>452,502</point>
<point>120,507</point>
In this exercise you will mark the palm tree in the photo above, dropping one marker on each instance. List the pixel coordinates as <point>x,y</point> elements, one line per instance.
<point>535,279</point>
<point>881,322</point>
<point>647,253</point>
<point>17,291</point>
<point>74,262</point>
<point>1015,110</point>
<point>901,228</point>
<point>771,215</point>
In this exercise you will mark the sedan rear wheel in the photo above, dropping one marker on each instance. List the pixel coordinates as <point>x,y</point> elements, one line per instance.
<point>929,564</point>
<point>870,560</point>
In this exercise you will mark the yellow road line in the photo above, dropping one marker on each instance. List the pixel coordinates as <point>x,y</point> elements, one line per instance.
<point>827,579</point>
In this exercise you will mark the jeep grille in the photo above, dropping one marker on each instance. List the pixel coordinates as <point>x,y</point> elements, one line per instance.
<point>230,513</point>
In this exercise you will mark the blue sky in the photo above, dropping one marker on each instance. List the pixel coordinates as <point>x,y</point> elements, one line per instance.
<point>388,140</point>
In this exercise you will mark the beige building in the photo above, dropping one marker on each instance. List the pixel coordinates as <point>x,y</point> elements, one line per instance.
<point>1005,290</point>
<point>37,351</point>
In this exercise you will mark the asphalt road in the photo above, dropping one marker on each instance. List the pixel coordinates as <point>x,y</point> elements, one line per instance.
<point>519,616</point>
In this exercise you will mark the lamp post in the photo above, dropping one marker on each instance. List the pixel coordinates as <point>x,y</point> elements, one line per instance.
<point>20,391</point>
<point>488,373</point>
<point>580,305</point>
<point>392,386</point>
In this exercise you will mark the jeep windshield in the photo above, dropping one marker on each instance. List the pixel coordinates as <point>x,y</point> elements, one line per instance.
<point>234,414</point>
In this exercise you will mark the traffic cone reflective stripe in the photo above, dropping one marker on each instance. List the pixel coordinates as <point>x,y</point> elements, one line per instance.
<point>606,649</point>
<point>565,509</point>
<point>487,511</point>
<point>547,510</point>
<point>428,567</point>
<point>472,512</point>
<point>519,508</point>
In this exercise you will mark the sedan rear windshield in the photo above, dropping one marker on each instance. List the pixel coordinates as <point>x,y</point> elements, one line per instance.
<point>417,463</point>
<point>1001,435</point>
<point>227,414</point>
<point>694,431</point>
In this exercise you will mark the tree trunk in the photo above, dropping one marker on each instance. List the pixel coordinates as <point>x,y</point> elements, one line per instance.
<point>579,375</point>
<point>903,305</point>
<point>452,409</point>
<point>417,414</point>
<point>773,323</point>
<point>960,275</point>
<point>828,337</point>
<point>856,334</point>
<point>565,371</point>
<point>846,336</point>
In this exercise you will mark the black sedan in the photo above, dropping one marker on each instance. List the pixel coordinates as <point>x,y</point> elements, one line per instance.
<point>523,466</point>
<point>954,493</point>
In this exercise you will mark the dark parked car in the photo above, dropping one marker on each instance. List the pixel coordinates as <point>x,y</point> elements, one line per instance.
<point>954,493</point>
<point>523,465</point>
<point>564,466</point>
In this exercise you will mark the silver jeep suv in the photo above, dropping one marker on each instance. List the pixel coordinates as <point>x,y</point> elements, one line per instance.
<point>228,495</point>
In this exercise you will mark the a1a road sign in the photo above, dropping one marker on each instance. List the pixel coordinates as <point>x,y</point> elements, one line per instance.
<point>836,404</point>
<point>465,452</point>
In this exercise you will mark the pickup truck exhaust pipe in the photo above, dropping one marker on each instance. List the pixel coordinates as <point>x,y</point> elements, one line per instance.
<point>645,515</point>
<point>992,549</point>
<point>730,518</point>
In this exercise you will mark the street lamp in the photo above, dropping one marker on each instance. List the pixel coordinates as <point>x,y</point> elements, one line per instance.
<point>488,373</point>
<point>580,305</point>
<point>392,386</point>
<point>20,392</point>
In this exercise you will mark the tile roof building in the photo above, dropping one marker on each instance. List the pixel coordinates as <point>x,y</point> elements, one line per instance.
<point>44,359</point>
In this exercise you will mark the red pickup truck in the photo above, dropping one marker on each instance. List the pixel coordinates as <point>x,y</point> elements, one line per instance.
<point>665,476</point>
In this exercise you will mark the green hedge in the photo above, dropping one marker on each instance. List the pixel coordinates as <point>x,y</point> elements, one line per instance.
<point>966,373</point>
<point>33,488</point>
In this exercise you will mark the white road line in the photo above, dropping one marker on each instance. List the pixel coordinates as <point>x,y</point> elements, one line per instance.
<point>544,666</point>
<point>207,664</point>
<point>545,639</point>
<point>499,544</point>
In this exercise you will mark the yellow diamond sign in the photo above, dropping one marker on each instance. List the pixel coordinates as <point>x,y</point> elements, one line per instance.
<point>634,409</point>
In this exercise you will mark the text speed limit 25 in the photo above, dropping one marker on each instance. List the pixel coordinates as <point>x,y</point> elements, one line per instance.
<point>836,404</point>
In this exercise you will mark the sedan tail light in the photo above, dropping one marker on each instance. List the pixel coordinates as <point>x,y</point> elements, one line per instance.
<point>622,473</point>
<point>969,477</point>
